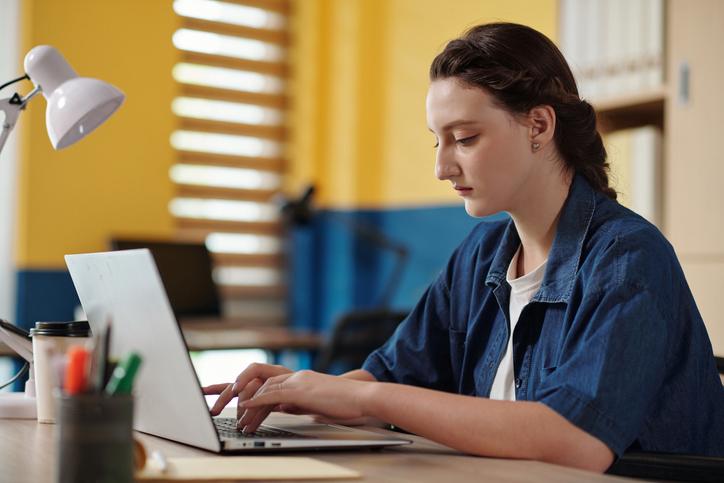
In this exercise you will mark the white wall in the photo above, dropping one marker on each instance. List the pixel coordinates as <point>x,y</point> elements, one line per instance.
<point>9,69</point>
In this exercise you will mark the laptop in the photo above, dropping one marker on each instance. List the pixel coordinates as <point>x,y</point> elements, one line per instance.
<point>125,287</point>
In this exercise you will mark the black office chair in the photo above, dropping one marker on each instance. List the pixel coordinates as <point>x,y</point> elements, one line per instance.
<point>354,336</point>
<point>671,467</point>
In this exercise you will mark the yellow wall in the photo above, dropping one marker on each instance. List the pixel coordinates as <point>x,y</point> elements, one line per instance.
<point>360,69</point>
<point>116,180</point>
<point>357,120</point>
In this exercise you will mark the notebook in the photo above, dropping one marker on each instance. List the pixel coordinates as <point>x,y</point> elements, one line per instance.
<point>233,468</point>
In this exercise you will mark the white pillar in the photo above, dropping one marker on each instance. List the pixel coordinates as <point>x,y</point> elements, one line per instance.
<point>10,68</point>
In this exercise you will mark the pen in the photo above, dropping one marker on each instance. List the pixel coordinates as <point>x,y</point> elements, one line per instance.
<point>94,362</point>
<point>103,371</point>
<point>76,372</point>
<point>123,375</point>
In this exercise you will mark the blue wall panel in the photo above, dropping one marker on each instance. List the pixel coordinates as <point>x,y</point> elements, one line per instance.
<point>44,295</point>
<point>338,263</point>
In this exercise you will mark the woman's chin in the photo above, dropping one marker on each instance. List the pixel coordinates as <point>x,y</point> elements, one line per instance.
<point>476,209</point>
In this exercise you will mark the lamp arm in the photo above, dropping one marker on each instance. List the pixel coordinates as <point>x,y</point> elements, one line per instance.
<point>25,99</point>
<point>11,107</point>
<point>21,345</point>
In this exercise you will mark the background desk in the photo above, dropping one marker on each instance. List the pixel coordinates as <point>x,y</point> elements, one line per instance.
<point>209,334</point>
<point>28,454</point>
<point>206,334</point>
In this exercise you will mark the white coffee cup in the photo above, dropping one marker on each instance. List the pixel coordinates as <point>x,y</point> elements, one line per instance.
<point>51,341</point>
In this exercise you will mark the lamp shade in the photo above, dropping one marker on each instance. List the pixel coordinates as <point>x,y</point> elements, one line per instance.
<point>76,105</point>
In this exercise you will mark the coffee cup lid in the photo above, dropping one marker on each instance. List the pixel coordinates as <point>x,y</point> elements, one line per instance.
<point>78,328</point>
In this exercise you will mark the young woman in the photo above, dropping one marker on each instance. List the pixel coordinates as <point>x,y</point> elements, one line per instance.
<point>608,350</point>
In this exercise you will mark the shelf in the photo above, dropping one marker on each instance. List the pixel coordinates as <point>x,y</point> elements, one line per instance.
<point>631,111</point>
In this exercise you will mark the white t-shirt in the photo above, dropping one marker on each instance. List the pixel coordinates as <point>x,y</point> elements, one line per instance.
<point>522,290</point>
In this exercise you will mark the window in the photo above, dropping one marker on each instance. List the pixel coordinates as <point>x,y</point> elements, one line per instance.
<point>230,144</point>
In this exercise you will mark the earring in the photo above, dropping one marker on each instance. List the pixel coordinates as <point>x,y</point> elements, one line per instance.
<point>535,146</point>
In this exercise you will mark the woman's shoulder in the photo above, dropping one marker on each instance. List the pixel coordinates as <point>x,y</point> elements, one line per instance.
<point>627,246</point>
<point>614,223</point>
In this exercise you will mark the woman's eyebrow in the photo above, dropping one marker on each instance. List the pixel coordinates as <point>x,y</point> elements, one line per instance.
<point>453,124</point>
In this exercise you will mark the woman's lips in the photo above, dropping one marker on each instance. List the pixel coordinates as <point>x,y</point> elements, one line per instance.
<point>463,190</point>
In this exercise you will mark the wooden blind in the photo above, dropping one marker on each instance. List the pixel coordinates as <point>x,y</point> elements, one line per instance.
<point>229,144</point>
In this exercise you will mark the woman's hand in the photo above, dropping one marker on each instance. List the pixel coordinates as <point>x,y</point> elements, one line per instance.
<point>333,397</point>
<point>245,386</point>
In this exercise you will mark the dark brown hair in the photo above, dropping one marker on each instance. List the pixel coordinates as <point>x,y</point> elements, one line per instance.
<point>521,68</point>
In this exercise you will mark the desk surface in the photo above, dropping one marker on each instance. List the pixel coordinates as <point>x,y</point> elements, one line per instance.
<point>28,454</point>
<point>206,334</point>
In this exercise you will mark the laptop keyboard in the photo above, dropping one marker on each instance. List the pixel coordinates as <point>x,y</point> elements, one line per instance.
<point>226,427</point>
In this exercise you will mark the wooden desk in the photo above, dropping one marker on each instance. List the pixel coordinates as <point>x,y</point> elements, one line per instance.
<point>28,454</point>
<point>206,334</point>
<point>209,334</point>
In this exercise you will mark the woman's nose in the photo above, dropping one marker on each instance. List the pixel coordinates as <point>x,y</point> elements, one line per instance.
<point>445,167</point>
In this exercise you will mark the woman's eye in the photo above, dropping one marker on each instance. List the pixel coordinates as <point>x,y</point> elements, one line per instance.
<point>467,140</point>
<point>437,145</point>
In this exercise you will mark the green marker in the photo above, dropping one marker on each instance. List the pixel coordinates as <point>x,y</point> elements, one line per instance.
<point>121,381</point>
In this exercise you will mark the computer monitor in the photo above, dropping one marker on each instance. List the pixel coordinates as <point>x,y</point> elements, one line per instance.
<point>186,272</point>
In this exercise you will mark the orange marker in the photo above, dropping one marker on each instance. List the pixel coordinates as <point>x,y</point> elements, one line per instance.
<point>76,372</point>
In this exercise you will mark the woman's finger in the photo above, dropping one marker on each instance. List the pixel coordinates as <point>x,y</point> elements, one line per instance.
<point>258,418</point>
<point>226,396</point>
<point>249,414</point>
<point>273,396</point>
<point>250,389</point>
<point>247,393</point>
<point>260,371</point>
<point>253,371</point>
<point>215,388</point>
<point>290,409</point>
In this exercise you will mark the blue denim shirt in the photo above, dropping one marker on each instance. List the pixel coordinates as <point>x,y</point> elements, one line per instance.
<point>612,340</point>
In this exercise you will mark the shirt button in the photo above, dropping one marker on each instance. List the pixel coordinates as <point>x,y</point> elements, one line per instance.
<point>518,383</point>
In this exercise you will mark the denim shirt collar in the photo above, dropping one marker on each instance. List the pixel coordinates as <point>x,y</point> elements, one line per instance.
<point>565,255</point>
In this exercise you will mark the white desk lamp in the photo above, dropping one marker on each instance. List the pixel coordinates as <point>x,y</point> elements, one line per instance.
<point>76,106</point>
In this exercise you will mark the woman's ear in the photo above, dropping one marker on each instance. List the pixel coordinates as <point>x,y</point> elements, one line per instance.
<point>542,125</point>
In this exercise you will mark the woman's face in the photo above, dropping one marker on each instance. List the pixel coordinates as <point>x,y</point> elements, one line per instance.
<point>482,149</point>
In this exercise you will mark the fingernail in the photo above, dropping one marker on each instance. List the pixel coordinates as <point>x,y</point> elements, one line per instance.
<point>234,387</point>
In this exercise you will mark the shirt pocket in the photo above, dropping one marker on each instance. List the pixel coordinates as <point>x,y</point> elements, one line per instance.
<point>547,371</point>
<point>458,342</point>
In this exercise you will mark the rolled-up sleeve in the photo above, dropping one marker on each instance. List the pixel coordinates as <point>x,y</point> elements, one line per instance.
<point>418,353</point>
<point>614,356</point>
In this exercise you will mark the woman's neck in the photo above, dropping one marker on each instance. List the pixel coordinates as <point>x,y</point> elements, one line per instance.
<point>536,217</point>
